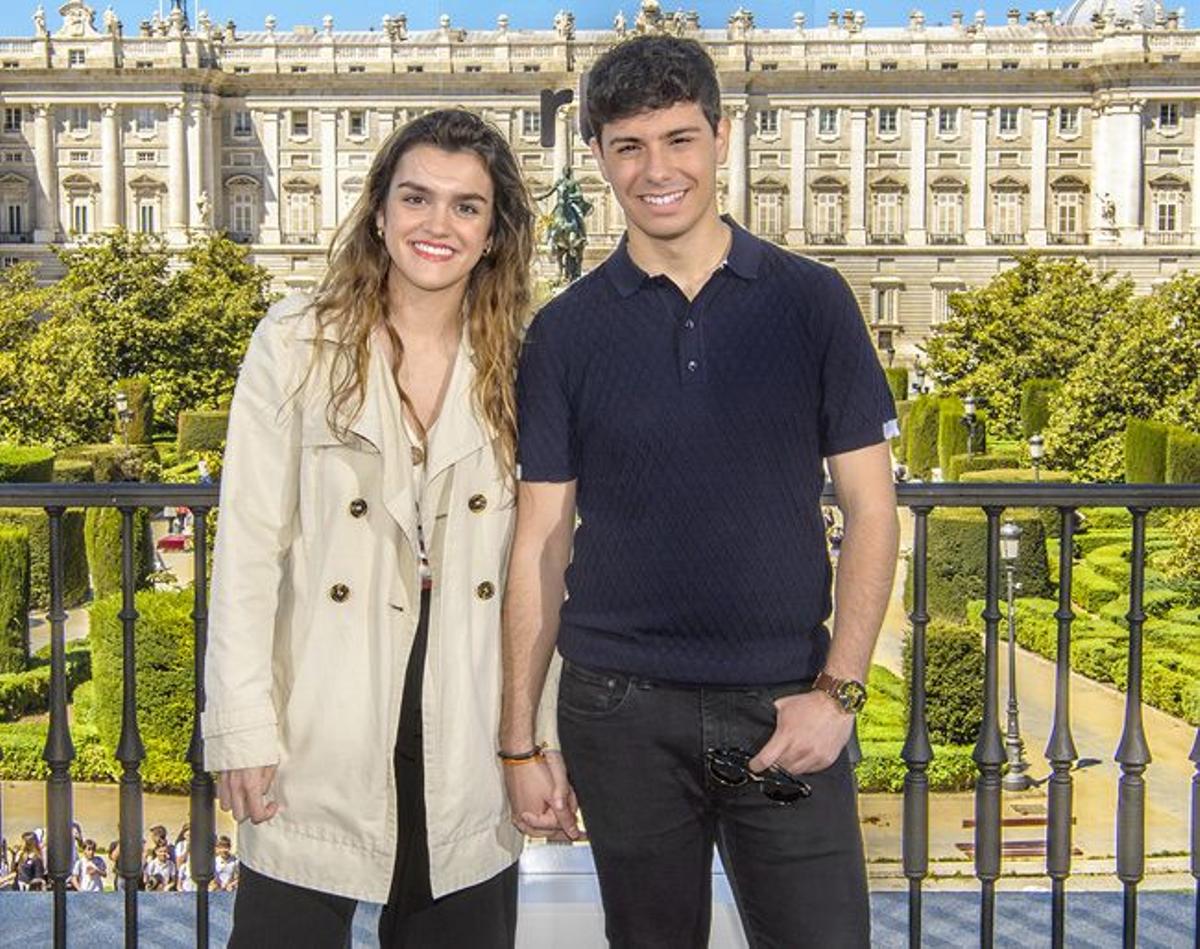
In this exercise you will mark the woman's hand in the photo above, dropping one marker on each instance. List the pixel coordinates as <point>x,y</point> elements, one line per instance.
<point>245,790</point>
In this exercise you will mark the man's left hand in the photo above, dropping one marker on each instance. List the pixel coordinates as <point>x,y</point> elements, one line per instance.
<point>810,732</point>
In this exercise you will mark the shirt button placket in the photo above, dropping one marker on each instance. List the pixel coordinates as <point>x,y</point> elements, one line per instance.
<point>689,350</point>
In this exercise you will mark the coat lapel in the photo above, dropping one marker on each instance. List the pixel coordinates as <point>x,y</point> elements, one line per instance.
<point>458,432</point>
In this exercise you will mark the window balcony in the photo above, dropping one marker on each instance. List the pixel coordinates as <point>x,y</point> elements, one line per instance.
<point>946,238</point>
<point>1068,237</point>
<point>886,238</point>
<point>826,237</point>
<point>1006,239</point>
<point>292,237</point>
<point>1166,237</point>
<point>16,237</point>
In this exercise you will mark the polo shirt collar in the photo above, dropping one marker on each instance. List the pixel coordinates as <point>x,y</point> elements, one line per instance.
<point>745,253</point>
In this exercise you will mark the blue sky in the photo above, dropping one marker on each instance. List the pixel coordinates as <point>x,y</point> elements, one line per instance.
<point>481,14</point>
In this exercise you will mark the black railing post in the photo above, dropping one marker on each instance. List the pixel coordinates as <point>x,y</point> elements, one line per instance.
<point>1060,748</point>
<point>917,752</point>
<point>989,749</point>
<point>130,751</point>
<point>1194,757</point>
<point>203,817</point>
<point>1133,754</point>
<point>60,750</point>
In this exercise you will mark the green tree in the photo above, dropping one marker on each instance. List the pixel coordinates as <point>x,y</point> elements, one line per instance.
<point>1036,320</point>
<point>21,300</point>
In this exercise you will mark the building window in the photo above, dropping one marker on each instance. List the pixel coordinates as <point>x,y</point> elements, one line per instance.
<point>78,118</point>
<point>302,160</point>
<point>11,64</point>
<point>1068,120</point>
<point>768,121</point>
<point>358,123</point>
<point>242,215</point>
<point>769,67</point>
<point>531,122</point>
<point>829,67</point>
<point>79,158</point>
<point>827,121</point>
<point>948,120</point>
<point>828,214</point>
<point>144,119</point>
<point>363,69</point>
<point>1070,64</point>
<point>243,124</point>
<point>1166,211</point>
<point>942,294</point>
<point>888,120</point>
<point>301,217</point>
<point>1009,118</point>
<point>1168,115</point>
<point>886,304</point>
<point>889,65</point>
<point>531,67</point>
<point>414,68</point>
<point>768,214</point>
<point>147,158</point>
<point>887,221</point>
<point>76,58</point>
<point>241,70</point>
<point>1168,156</point>
<point>949,67</point>
<point>144,64</point>
<point>80,213</point>
<point>1006,215</point>
<point>1068,206</point>
<point>299,123</point>
<point>12,118</point>
<point>947,214</point>
<point>1010,64</point>
<point>14,218</point>
<point>147,209</point>
<point>474,69</point>
<point>298,69</point>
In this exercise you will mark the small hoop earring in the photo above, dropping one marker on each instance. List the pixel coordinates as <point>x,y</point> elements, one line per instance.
<point>487,248</point>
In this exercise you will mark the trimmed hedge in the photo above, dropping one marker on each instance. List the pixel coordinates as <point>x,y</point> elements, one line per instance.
<point>922,442</point>
<point>114,462</point>
<point>200,431</point>
<point>1145,452</point>
<point>952,432</point>
<point>163,661</point>
<point>21,746</point>
<point>25,464</point>
<point>897,380</point>
<point>1016,474</point>
<point>28,693</point>
<point>960,464</point>
<point>900,444</point>
<point>14,599</point>
<point>1037,398</point>
<point>75,568</point>
<point>953,682</point>
<point>74,471</point>
<point>1183,457</point>
<point>137,392</point>
<point>102,535</point>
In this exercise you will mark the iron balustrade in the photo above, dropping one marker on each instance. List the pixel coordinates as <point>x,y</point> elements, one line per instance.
<point>1132,753</point>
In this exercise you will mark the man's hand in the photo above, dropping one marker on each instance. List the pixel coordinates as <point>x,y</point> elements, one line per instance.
<point>541,799</point>
<point>244,791</point>
<point>810,732</point>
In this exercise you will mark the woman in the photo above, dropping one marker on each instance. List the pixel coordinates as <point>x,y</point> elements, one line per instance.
<point>31,868</point>
<point>353,681</point>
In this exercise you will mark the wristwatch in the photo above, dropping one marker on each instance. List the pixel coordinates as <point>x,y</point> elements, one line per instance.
<point>850,694</point>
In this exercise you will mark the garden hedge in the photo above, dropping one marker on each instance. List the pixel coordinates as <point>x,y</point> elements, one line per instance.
<point>14,599</point>
<point>115,462</point>
<point>201,431</point>
<point>28,692</point>
<point>74,471</point>
<point>897,380</point>
<point>25,464</point>
<point>953,682</point>
<point>22,743</point>
<point>163,661</point>
<point>75,567</point>
<point>952,432</point>
<point>922,442</point>
<point>141,407</point>
<point>1145,452</point>
<point>900,444</point>
<point>1183,457</point>
<point>102,535</point>
<point>1037,401</point>
<point>960,464</point>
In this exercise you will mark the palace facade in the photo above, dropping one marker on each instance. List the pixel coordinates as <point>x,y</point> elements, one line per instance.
<point>918,158</point>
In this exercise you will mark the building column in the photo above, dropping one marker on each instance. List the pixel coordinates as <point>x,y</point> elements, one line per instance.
<point>329,195</point>
<point>46,220</point>
<point>197,169</point>
<point>858,177</point>
<point>209,129</point>
<point>977,213</point>
<point>177,186</point>
<point>917,175</point>
<point>269,232</point>
<point>112,186</point>
<point>562,140</point>
<point>387,123</point>
<point>798,177</point>
<point>1039,143</point>
<point>736,181</point>
<point>1196,180</point>
<point>1127,170</point>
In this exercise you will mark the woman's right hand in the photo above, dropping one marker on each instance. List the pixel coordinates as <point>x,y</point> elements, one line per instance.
<point>245,790</point>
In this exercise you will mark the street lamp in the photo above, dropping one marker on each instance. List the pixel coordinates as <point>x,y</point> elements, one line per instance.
<point>971,422</point>
<point>919,374</point>
<point>1014,748</point>
<point>1037,448</point>
<point>124,415</point>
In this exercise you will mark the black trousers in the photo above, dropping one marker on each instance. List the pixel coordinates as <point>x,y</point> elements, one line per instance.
<point>635,753</point>
<point>269,913</point>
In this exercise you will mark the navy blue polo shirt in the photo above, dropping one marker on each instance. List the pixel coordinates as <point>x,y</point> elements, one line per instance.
<point>695,432</point>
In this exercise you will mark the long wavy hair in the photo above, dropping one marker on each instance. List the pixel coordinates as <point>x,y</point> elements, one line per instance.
<point>351,300</point>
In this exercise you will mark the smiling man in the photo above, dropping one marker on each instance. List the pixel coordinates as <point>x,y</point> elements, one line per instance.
<point>683,399</point>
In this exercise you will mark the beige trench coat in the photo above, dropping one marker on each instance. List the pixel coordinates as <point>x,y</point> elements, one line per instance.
<point>315,602</point>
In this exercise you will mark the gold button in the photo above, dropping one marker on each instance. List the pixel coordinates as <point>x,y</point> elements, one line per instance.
<point>485,590</point>
<point>477,503</point>
<point>358,507</point>
<point>339,592</point>
<point>418,454</point>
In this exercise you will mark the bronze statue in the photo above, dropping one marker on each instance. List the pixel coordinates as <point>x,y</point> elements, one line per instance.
<point>566,235</point>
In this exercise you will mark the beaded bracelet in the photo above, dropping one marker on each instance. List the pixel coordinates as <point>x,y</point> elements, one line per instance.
<point>524,757</point>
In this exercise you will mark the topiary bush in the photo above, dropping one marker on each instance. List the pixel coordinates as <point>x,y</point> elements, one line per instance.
<point>1183,457</point>
<point>1145,452</point>
<point>952,432</point>
<point>953,682</point>
<point>922,441</point>
<point>102,535</point>
<point>163,658</point>
<point>74,471</point>
<point>75,568</point>
<point>900,443</point>
<point>28,692</point>
<point>22,743</point>
<point>115,462</point>
<point>200,431</point>
<point>137,431</point>
<point>25,464</point>
<point>897,380</point>
<point>1037,401</point>
<point>14,599</point>
<point>960,464</point>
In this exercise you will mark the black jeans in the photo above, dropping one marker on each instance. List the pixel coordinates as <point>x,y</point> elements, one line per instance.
<point>635,753</point>
<point>269,913</point>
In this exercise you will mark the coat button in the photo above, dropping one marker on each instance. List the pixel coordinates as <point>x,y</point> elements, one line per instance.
<point>358,507</point>
<point>339,592</point>
<point>418,454</point>
<point>485,590</point>
<point>477,503</point>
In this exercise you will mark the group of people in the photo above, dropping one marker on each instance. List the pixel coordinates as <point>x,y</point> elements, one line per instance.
<point>478,578</point>
<point>165,865</point>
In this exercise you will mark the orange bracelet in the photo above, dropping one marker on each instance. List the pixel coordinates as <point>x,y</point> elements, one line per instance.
<point>516,762</point>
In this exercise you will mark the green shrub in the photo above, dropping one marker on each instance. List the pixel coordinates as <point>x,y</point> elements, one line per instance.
<point>75,568</point>
<point>953,682</point>
<point>102,534</point>
<point>1183,562</point>
<point>28,692</point>
<point>199,431</point>
<point>952,432</point>
<point>1090,589</point>
<point>25,464</point>
<point>74,471</point>
<point>141,407</point>
<point>882,770</point>
<point>1183,457</point>
<point>922,443</point>
<point>900,444</point>
<point>1037,401</point>
<point>21,748</point>
<point>14,599</point>
<point>115,462</point>
<point>960,464</point>
<point>1016,474</point>
<point>897,380</point>
<point>163,662</point>
<point>1145,452</point>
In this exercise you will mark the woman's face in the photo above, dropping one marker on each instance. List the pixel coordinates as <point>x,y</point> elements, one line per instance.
<point>436,218</point>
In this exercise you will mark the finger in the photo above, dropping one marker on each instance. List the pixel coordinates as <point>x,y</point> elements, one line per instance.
<point>237,800</point>
<point>259,808</point>
<point>223,790</point>
<point>545,821</point>
<point>769,753</point>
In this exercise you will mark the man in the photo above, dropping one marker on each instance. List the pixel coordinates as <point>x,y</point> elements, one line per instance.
<point>89,871</point>
<point>682,399</point>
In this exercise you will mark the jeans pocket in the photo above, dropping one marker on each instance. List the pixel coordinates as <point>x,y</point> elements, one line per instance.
<point>591,693</point>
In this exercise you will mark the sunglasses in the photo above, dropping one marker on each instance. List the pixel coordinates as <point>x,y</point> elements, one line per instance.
<point>731,767</point>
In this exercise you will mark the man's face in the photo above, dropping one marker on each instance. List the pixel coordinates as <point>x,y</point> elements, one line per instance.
<point>662,166</point>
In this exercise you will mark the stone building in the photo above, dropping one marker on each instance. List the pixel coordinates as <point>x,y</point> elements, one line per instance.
<point>918,158</point>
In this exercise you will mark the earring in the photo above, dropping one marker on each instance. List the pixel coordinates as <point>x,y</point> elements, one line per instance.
<point>487,248</point>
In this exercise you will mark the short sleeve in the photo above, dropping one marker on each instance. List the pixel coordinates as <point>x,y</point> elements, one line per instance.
<point>857,409</point>
<point>545,442</point>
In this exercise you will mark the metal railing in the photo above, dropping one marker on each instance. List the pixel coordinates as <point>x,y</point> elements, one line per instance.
<point>1132,752</point>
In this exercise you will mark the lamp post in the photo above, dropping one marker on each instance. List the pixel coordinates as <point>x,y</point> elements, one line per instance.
<point>1037,448</point>
<point>919,377</point>
<point>124,415</point>
<point>971,422</point>
<point>1014,748</point>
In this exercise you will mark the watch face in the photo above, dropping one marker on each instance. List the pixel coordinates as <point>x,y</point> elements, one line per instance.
<point>852,695</point>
